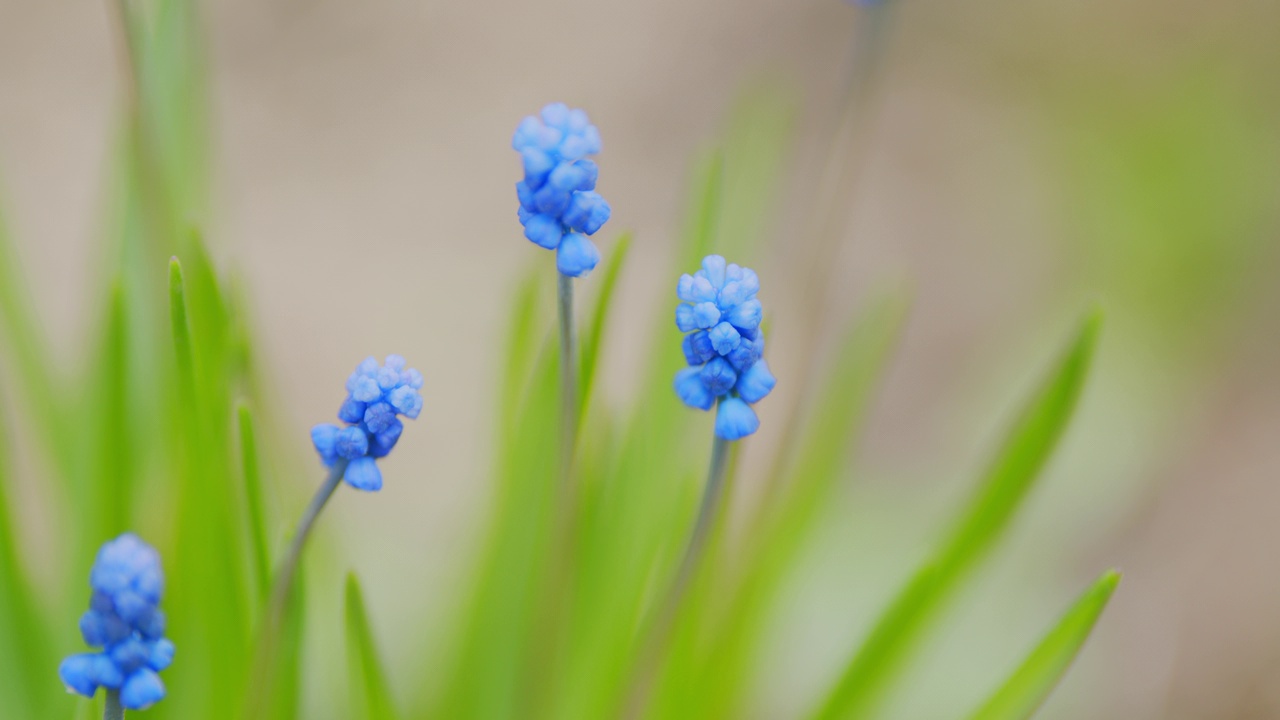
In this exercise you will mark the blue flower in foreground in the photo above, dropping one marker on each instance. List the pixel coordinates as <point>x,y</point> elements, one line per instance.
<point>125,620</point>
<point>558,205</point>
<point>376,397</point>
<point>724,345</point>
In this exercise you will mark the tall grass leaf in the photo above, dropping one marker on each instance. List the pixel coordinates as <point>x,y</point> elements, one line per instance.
<point>113,467</point>
<point>25,653</point>
<point>875,665</point>
<point>368,687</point>
<point>703,215</point>
<point>592,339</point>
<point>181,328</point>
<point>527,324</point>
<point>211,579</point>
<point>491,677</point>
<point>251,475</point>
<point>756,144</point>
<point>27,348</point>
<point>1026,690</point>
<point>795,496</point>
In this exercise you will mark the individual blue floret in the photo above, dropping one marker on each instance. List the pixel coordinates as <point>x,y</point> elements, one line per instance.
<point>724,345</point>
<point>125,620</point>
<point>377,395</point>
<point>558,205</point>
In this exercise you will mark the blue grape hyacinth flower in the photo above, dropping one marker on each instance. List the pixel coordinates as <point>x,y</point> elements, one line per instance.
<point>377,395</point>
<point>559,207</point>
<point>724,345</point>
<point>125,620</point>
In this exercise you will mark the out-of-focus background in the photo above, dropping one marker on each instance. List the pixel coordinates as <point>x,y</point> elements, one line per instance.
<point>1017,162</point>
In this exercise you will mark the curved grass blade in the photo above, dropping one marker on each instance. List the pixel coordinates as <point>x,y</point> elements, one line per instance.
<point>876,664</point>
<point>210,532</point>
<point>24,654</point>
<point>253,501</point>
<point>704,215</point>
<point>27,348</point>
<point>591,343</point>
<point>1026,690</point>
<point>370,696</point>
<point>113,467</point>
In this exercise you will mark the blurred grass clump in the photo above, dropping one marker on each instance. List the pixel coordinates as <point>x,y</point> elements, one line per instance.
<point>165,428</point>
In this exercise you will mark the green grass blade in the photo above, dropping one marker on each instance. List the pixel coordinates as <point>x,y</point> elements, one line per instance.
<point>1026,690</point>
<point>1027,448</point>
<point>181,327</point>
<point>591,342</point>
<point>212,580</point>
<point>27,349</point>
<point>370,695</point>
<point>25,654</point>
<point>113,466</point>
<point>757,141</point>
<point>251,474</point>
<point>704,210</point>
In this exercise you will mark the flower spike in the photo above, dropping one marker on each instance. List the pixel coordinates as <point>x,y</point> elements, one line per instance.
<point>125,620</point>
<point>723,345</point>
<point>558,205</point>
<point>377,395</point>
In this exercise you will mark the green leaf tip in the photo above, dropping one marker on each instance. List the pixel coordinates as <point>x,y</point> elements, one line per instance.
<point>370,694</point>
<point>1016,466</point>
<point>1027,688</point>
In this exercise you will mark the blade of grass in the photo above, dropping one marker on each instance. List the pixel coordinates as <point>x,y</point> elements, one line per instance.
<point>25,655</point>
<point>1027,448</point>
<point>1026,690</point>
<point>210,533</point>
<point>113,467</point>
<point>700,230</point>
<point>591,342</point>
<point>28,350</point>
<point>370,696</point>
<point>251,475</point>
<point>756,144</point>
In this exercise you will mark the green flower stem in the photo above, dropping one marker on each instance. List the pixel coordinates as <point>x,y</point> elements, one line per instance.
<point>289,570</point>
<point>706,519</point>
<point>664,623</point>
<point>114,710</point>
<point>568,378</point>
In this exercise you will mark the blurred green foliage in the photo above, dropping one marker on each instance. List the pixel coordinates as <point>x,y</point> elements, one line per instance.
<point>159,434</point>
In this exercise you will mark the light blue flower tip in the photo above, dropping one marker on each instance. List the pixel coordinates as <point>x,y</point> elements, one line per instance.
<point>363,474</point>
<point>142,690</point>
<point>724,344</point>
<point>735,419</point>
<point>378,395</point>
<point>577,255</point>
<point>557,195</point>
<point>124,620</point>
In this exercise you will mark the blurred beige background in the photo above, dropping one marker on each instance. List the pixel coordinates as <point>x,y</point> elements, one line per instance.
<point>1023,159</point>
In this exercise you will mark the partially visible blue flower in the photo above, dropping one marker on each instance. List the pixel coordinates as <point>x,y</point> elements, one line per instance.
<point>377,395</point>
<point>558,205</point>
<point>125,620</point>
<point>724,345</point>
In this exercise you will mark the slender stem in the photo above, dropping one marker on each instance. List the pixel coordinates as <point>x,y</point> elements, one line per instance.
<point>289,569</point>
<point>568,377</point>
<point>664,623</point>
<point>114,710</point>
<point>702,526</point>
